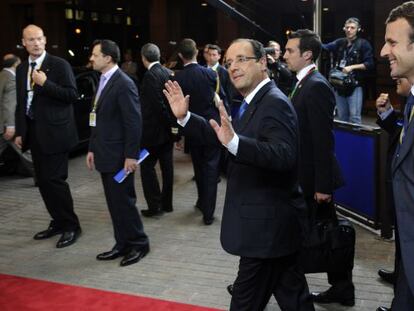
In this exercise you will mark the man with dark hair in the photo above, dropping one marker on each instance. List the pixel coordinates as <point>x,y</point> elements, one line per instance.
<point>45,124</point>
<point>262,206</point>
<point>319,172</point>
<point>353,55</point>
<point>157,137</point>
<point>114,144</point>
<point>392,125</point>
<point>399,50</point>
<point>200,84</point>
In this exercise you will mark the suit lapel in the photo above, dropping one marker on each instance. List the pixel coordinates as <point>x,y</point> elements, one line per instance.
<point>239,125</point>
<point>107,88</point>
<point>301,84</point>
<point>405,147</point>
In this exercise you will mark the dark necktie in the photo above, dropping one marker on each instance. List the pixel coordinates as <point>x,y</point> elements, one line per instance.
<point>242,109</point>
<point>408,115</point>
<point>29,110</point>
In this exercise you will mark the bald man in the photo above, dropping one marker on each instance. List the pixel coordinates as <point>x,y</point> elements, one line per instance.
<point>46,90</point>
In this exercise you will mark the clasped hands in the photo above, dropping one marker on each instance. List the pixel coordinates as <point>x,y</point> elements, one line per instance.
<point>179,106</point>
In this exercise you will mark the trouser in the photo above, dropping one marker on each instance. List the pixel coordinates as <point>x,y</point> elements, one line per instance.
<point>121,198</point>
<point>206,160</point>
<point>258,279</point>
<point>51,172</point>
<point>156,198</point>
<point>349,108</point>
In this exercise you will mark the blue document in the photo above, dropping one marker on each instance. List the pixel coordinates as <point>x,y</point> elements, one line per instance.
<point>122,174</point>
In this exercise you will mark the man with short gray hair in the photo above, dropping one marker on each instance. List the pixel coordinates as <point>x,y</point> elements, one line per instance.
<point>157,136</point>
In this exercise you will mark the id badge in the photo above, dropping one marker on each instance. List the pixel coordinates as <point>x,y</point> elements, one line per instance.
<point>92,119</point>
<point>342,64</point>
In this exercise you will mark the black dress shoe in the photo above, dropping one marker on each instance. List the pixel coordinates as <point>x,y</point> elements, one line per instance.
<point>167,209</point>
<point>383,309</point>
<point>329,296</point>
<point>151,212</point>
<point>134,256</point>
<point>112,254</point>
<point>387,276</point>
<point>49,232</point>
<point>68,238</point>
<point>208,221</point>
<point>230,289</point>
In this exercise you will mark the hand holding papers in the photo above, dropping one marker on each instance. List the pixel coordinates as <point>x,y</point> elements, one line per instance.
<point>122,174</point>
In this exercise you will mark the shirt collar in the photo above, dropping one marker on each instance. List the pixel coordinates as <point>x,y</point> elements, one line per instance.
<point>249,97</point>
<point>215,66</point>
<point>152,64</point>
<point>110,72</point>
<point>304,71</point>
<point>38,60</point>
<point>412,90</point>
<point>10,70</point>
<point>194,62</point>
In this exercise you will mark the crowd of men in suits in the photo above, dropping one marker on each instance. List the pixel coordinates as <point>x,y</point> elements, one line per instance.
<point>278,151</point>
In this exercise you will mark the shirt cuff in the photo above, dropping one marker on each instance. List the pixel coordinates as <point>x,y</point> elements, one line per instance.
<point>385,114</point>
<point>184,121</point>
<point>233,145</point>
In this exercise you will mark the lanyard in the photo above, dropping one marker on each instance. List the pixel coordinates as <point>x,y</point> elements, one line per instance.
<point>299,84</point>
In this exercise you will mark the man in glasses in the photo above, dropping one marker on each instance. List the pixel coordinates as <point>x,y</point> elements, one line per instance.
<point>262,206</point>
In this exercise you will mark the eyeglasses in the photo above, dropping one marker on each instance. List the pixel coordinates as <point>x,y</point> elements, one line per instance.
<point>240,59</point>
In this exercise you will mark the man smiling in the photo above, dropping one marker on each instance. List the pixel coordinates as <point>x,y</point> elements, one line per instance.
<point>399,50</point>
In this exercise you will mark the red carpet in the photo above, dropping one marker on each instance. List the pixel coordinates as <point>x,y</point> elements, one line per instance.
<point>21,294</point>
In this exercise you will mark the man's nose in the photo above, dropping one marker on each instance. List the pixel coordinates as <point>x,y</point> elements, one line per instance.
<point>384,51</point>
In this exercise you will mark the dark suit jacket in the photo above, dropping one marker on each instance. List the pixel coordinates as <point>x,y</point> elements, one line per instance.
<point>261,209</point>
<point>402,173</point>
<point>314,102</point>
<point>52,106</point>
<point>200,83</point>
<point>156,113</point>
<point>117,133</point>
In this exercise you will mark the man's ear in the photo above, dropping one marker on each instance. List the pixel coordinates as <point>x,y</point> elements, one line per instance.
<point>308,55</point>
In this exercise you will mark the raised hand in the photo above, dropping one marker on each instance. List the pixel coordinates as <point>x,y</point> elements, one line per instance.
<point>224,132</point>
<point>383,103</point>
<point>176,99</point>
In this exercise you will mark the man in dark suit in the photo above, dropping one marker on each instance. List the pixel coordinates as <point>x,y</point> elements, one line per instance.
<point>263,206</point>
<point>45,123</point>
<point>393,126</point>
<point>157,137</point>
<point>200,84</point>
<point>319,173</point>
<point>398,49</point>
<point>114,144</point>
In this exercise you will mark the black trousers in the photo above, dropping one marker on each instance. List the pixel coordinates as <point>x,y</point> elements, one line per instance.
<point>258,279</point>
<point>206,161</point>
<point>341,280</point>
<point>121,198</point>
<point>51,171</point>
<point>156,198</point>
<point>404,296</point>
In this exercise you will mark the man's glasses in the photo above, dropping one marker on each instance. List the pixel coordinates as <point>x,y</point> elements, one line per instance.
<point>241,59</point>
